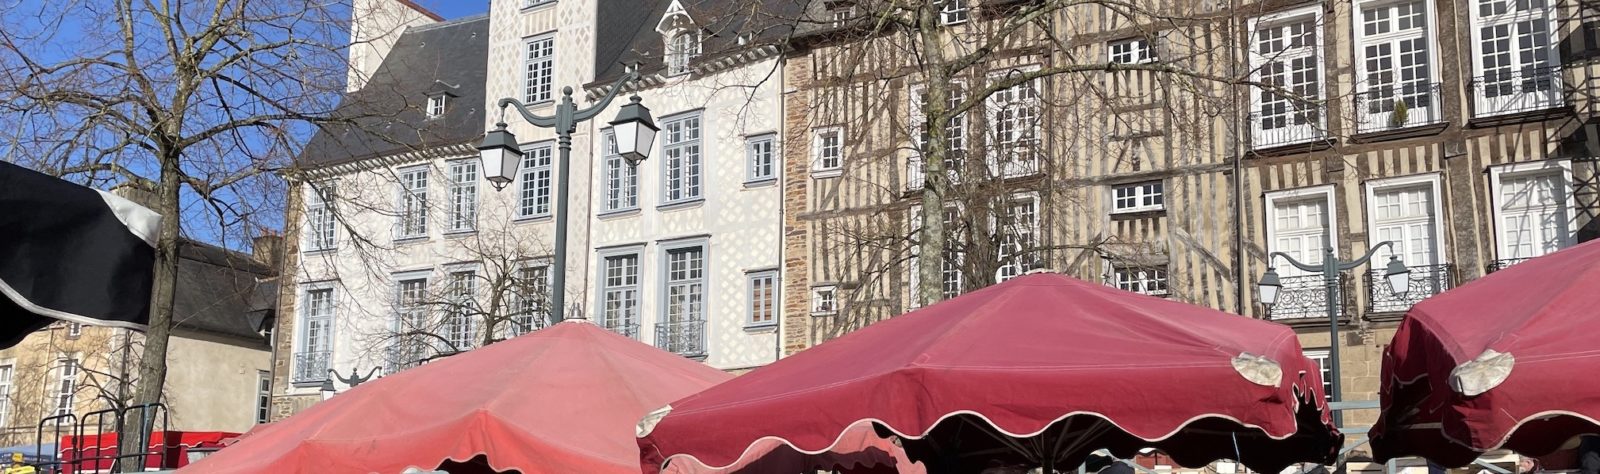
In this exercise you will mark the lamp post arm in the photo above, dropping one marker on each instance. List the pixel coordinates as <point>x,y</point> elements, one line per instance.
<point>616,89</point>
<point>1368,257</point>
<point>1292,261</point>
<point>536,120</point>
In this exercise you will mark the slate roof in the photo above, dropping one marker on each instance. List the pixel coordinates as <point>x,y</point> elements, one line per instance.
<point>722,21</point>
<point>388,112</point>
<point>218,289</point>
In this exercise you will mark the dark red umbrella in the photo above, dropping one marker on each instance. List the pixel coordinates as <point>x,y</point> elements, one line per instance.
<point>1509,361</point>
<point>1040,370</point>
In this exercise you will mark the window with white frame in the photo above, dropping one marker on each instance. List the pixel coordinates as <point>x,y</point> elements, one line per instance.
<point>316,334</point>
<point>761,158</point>
<point>828,149</point>
<point>320,221</point>
<point>953,12</point>
<point>955,134</point>
<point>619,293</point>
<point>532,286</point>
<point>840,12</point>
<point>684,305</point>
<point>824,300</point>
<point>534,3</point>
<point>1286,54</point>
<point>411,323</point>
<point>1138,197</point>
<point>1533,207</point>
<point>463,195</point>
<point>763,291</point>
<point>263,396</point>
<point>681,165</point>
<point>459,329</point>
<point>436,105</point>
<point>533,195</point>
<point>1135,50</point>
<point>681,49</point>
<point>1405,213</point>
<point>7,383</point>
<point>622,179</point>
<point>74,330</point>
<point>951,279</point>
<point>1325,366</point>
<point>64,391</point>
<point>1014,127</point>
<point>413,203</point>
<point>1146,280</point>
<point>1298,222</point>
<point>1394,41</point>
<point>539,65</point>
<point>1518,67</point>
<point>1017,223</point>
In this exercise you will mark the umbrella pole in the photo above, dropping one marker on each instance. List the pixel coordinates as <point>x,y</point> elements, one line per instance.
<point>1049,464</point>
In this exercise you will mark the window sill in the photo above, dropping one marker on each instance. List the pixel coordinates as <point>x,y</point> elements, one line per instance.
<point>684,204</point>
<point>536,6</point>
<point>828,314</point>
<point>319,252</point>
<point>1400,133</point>
<point>532,219</point>
<point>822,174</point>
<point>762,328</point>
<point>1286,149</point>
<point>618,214</point>
<point>1138,214</point>
<point>410,240</point>
<point>1485,121</point>
<point>760,183</point>
<point>456,234</point>
<point>307,383</point>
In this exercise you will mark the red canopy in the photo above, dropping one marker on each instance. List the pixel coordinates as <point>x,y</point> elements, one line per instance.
<point>1043,367</point>
<point>95,452</point>
<point>559,400</point>
<point>1506,361</point>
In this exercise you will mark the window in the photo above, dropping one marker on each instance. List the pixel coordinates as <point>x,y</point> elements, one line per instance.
<point>840,12</point>
<point>1324,364</point>
<point>1394,42</point>
<point>952,280</point>
<point>1143,280</point>
<point>1518,69</point>
<point>74,330</point>
<point>1287,54</point>
<point>263,396</point>
<point>539,66</point>
<point>1405,211</point>
<point>1137,197</point>
<point>413,203</point>
<point>828,148</point>
<point>1131,51</point>
<point>681,159</point>
<point>533,198</point>
<point>622,179</point>
<point>316,335</point>
<point>619,293</point>
<point>410,343</point>
<point>824,300</point>
<point>459,330</point>
<point>65,389</point>
<point>321,224</point>
<point>534,3</point>
<point>436,105</point>
<point>1017,222</point>
<point>683,47</point>
<point>761,158</point>
<point>532,284</point>
<point>681,330</point>
<point>1014,127</point>
<point>7,377</point>
<point>953,12</point>
<point>1298,223</point>
<point>955,135</point>
<point>763,291</point>
<point>463,195</point>
<point>1533,207</point>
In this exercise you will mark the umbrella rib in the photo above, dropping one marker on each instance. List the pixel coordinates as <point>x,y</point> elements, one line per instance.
<point>1004,440</point>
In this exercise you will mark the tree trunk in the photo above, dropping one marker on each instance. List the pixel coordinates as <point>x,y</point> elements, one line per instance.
<point>153,366</point>
<point>931,251</point>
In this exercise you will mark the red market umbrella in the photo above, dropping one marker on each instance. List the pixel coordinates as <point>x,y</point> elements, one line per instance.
<point>1506,361</point>
<point>1043,369</point>
<point>559,400</point>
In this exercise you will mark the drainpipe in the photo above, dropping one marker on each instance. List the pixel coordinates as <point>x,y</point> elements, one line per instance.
<point>777,336</point>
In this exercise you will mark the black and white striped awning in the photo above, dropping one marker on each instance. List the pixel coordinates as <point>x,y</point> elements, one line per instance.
<point>71,253</point>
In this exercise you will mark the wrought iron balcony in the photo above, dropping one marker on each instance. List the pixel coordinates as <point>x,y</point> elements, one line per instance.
<point>1504,263</point>
<point>1397,106</point>
<point>1292,127</point>
<point>311,366</point>
<point>1506,91</point>
<point>1301,297</point>
<point>1426,280</point>
<point>685,338</point>
<point>627,328</point>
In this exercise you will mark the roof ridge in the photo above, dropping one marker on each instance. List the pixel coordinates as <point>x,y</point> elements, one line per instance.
<point>449,23</point>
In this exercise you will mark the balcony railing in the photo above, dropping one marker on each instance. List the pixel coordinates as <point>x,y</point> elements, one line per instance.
<point>1290,128</point>
<point>685,338</point>
<point>628,329</point>
<point>1426,280</point>
<point>1503,263</point>
<point>1508,91</point>
<point>311,366</point>
<point>1398,106</point>
<point>1301,297</point>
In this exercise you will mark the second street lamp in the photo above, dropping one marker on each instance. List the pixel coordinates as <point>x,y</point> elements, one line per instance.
<point>501,154</point>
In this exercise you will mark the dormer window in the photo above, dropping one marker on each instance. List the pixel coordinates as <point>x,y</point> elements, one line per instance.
<point>953,12</point>
<point>683,47</point>
<point>436,105</point>
<point>840,13</point>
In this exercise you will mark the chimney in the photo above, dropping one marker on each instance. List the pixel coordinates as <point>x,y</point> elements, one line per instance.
<point>138,196</point>
<point>267,248</point>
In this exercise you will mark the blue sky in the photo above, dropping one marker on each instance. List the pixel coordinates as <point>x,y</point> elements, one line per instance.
<point>452,9</point>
